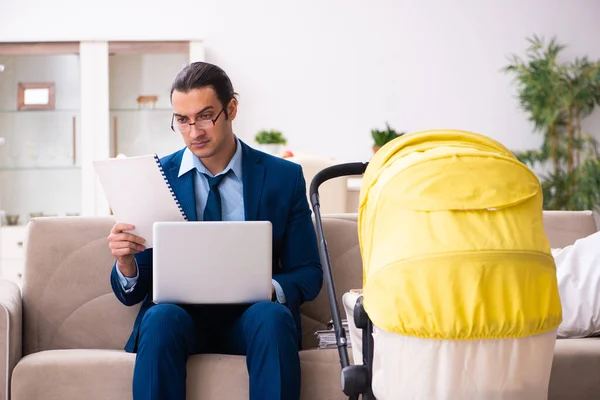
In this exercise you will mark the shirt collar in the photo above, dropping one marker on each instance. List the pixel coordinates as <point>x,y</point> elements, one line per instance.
<point>189,162</point>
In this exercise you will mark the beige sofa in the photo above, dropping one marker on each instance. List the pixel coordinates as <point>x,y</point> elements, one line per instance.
<point>61,337</point>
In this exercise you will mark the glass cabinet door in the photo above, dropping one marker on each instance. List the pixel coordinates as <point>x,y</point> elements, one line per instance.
<point>39,130</point>
<point>140,78</point>
<point>46,89</point>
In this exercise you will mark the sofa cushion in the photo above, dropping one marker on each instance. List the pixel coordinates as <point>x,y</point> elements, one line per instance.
<point>575,374</point>
<point>74,374</point>
<point>107,375</point>
<point>575,369</point>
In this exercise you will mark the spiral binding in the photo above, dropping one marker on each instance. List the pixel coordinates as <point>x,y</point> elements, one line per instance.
<point>162,172</point>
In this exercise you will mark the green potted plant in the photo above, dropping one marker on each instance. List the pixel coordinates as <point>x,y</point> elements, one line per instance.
<point>270,141</point>
<point>558,96</point>
<point>380,138</point>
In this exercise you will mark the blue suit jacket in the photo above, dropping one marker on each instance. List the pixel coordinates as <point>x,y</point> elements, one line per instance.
<point>275,191</point>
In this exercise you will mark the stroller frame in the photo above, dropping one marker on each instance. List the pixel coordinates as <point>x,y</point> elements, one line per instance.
<point>355,379</point>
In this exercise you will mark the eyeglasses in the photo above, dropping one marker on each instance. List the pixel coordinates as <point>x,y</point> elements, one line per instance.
<point>186,127</point>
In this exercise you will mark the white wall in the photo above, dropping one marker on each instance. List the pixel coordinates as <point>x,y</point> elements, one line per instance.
<point>325,73</point>
<point>67,20</point>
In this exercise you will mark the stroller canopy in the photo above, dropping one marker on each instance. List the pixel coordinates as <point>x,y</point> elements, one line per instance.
<point>452,239</point>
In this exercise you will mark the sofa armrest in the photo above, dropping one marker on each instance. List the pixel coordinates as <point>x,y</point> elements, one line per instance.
<point>10,333</point>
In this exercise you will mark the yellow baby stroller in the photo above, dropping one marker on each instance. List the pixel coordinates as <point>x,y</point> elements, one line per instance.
<point>460,296</point>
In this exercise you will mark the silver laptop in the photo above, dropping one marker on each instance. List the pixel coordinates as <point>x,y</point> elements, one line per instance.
<point>225,262</point>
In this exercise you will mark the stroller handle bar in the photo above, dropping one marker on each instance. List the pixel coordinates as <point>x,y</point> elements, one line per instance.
<point>335,171</point>
<point>355,379</point>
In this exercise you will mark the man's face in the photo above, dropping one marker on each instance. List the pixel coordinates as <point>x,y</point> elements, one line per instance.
<point>201,106</point>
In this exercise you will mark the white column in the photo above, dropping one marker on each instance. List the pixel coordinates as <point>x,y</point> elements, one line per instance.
<point>196,51</point>
<point>95,130</point>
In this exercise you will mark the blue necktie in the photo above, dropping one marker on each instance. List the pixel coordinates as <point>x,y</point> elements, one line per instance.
<point>212,211</point>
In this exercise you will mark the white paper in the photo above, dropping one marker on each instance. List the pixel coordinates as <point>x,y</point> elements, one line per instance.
<point>137,193</point>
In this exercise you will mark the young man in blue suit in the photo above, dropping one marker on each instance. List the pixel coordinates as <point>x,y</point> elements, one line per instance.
<point>218,177</point>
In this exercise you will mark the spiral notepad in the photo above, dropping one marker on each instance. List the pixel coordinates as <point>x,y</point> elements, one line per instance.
<point>139,193</point>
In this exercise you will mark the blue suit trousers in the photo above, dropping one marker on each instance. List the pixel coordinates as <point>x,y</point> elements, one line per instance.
<point>264,332</point>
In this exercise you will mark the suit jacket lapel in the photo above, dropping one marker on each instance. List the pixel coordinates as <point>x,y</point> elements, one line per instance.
<point>183,187</point>
<point>253,179</point>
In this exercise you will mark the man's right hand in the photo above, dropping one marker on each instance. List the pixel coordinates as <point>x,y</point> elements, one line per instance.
<point>123,247</point>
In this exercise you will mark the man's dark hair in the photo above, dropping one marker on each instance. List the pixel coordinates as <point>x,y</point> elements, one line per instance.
<point>201,74</point>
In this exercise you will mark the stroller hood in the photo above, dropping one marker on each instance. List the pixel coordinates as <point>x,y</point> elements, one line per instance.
<point>452,239</point>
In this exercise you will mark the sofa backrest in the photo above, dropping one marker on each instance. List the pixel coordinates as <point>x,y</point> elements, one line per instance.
<point>563,228</point>
<point>346,267</point>
<point>67,298</point>
<point>68,302</point>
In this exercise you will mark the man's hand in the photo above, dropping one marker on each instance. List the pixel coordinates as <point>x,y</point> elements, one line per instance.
<point>123,247</point>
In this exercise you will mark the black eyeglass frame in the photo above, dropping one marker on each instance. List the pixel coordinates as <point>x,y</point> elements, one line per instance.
<point>189,124</point>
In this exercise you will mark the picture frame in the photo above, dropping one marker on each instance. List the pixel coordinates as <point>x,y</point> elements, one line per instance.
<point>36,96</point>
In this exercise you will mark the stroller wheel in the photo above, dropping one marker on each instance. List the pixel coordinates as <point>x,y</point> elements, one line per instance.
<point>355,380</point>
